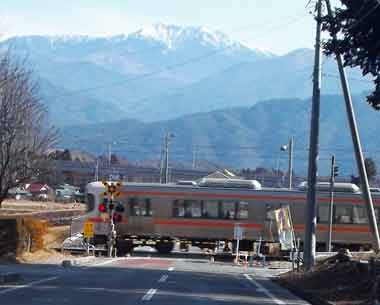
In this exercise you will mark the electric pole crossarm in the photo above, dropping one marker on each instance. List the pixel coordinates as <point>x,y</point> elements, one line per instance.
<point>357,146</point>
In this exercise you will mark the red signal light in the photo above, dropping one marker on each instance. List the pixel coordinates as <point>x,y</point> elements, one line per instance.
<point>116,217</point>
<point>102,208</point>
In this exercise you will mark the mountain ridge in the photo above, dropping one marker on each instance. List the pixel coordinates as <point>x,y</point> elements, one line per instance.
<point>145,79</point>
<point>243,137</point>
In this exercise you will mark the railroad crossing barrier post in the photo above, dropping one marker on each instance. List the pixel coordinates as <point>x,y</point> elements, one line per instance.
<point>292,253</point>
<point>298,254</point>
<point>112,193</point>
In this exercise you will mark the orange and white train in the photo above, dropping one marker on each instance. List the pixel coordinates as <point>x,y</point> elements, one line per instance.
<point>204,213</point>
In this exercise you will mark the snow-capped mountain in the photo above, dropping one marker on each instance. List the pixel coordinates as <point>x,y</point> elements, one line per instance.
<point>158,72</point>
<point>173,36</point>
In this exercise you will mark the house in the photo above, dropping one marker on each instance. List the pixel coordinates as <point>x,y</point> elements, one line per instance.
<point>222,174</point>
<point>40,191</point>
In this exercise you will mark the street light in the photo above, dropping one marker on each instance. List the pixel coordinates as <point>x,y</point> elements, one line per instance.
<point>289,147</point>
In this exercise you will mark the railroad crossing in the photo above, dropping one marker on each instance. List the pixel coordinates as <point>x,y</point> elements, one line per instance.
<point>137,280</point>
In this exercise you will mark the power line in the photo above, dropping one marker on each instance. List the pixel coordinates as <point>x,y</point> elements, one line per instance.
<point>330,75</point>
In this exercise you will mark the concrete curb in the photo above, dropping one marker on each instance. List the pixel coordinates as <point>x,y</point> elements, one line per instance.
<point>9,277</point>
<point>77,261</point>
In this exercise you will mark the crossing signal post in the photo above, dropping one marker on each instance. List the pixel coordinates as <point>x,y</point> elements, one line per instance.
<point>334,173</point>
<point>114,210</point>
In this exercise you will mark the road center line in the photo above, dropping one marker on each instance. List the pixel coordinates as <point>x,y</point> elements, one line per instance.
<point>29,285</point>
<point>163,278</point>
<point>170,268</point>
<point>149,295</point>
<point>261,288</point>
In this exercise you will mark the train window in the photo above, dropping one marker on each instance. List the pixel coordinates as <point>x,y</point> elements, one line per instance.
<point>343,214</point>
<point>149,207</point>
<point>90,202</point>
<point>178,208</point>
<point>210,209</point>
<point>228,209</point>
<point>242,210</point>
<point>323,214</point>
<point>134,206</point>
<point>145,207</point>
<point>359,214</point>
<point>269,214</point>
<point>192,208</point>
<point>377,213</point>
<point>140,207</point>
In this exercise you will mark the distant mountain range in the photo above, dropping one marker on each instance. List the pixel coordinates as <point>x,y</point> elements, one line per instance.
<point>239,137</point>
<point>162,72</point>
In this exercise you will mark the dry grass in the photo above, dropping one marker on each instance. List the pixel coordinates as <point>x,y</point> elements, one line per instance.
<point>334,281</point>
<point>28,205</point>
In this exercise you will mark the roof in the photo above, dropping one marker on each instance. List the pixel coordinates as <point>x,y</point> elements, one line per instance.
<point>37,187</point>
<point>225,174</point>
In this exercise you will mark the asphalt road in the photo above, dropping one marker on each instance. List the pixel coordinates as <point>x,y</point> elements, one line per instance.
<point>144,280</point>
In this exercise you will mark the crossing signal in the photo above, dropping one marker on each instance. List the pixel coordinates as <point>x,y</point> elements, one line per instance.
<point>336,171</point>
<point>119,208</point>
<point>102,208</point>
<point>114,208</point>
<point>116,217</point>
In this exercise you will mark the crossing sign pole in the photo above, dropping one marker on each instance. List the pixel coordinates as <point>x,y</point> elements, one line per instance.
<point>112,192</point>
<point>238,235</point>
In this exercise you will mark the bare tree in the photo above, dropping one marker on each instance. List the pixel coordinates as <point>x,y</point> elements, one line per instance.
<point>24,133</point>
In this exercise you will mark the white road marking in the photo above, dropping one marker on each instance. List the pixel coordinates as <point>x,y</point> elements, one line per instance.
<point>170,268</point>
<point>261,288</point>
<point>149,295</point>
<point>107,262</point>
<point>163,278</point>
<point>28,285</point>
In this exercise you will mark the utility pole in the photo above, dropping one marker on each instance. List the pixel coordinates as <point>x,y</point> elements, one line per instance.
<point>167,158</point>
<point>162,164</point>
<point>333,173</point>
<point>168,136</point>
<point>109,154</point>
<point>311,204</point>
<point>357,146</point>
<point>290,165</point>
<point>97,170</point>
<point>289,148</point>
<point>194,163</point>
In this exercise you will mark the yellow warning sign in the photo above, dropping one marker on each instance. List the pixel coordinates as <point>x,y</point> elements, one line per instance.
<point>88,229</point>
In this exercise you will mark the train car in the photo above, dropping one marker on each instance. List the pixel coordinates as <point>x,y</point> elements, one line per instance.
<point>205,213</point>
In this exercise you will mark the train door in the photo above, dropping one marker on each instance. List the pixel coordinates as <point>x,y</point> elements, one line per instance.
<point>140,216</point>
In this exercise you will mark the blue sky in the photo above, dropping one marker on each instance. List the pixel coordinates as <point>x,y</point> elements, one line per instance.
<point>275,25</point>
